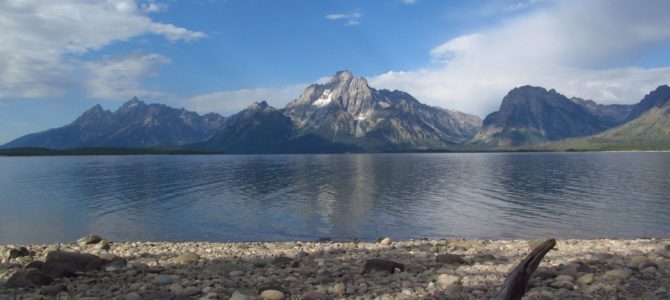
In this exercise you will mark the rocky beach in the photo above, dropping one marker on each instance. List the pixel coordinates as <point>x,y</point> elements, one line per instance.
<point>94,268</point>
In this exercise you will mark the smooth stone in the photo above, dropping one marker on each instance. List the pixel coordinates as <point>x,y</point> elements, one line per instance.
<point>564,278</point>
<point>239,296</point>
<point>272,295</point>
<point>386,241</point>
<point>89,239</point>
<point>316,296</point>
<point>191,291</point>
<point>619,273</point>
<point>382,265</point>
<point>187,258</point>
<point>28,278</point>
<point>648,270</point>
<point>236,273</point>
<point>163,279</point>
<point>36,264</point>
<point>101,245</point>
<point>447,280</point>
<point>561,285</point>
<point>339,288</point>
<point>450,259</point>
<point>585,279</point>
<point>133,296</point>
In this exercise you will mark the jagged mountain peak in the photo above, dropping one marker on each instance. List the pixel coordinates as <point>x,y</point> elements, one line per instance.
<point>656,98</point>
<point>132,103</point>
<point>258,105</point>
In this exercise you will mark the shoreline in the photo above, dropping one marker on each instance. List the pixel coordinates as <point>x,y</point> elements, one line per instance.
<point>432,269</point>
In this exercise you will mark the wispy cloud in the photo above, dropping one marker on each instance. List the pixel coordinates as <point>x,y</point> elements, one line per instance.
<point>232,101</point>
<point>119,77</point>
<point>408,1</point>
<point>42,41</point>
<point>555,46</point>
<point>349,19</point>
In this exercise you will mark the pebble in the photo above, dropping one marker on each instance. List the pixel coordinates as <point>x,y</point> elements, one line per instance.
<point>447,280</point>
<point>163,279</point>
<point>187,258</point>
<point>619,273</point>
<point>272,295</point>
<point>585,279</point>
<point>416,269</point>
<point>386,241</point>
<point>133,296</point>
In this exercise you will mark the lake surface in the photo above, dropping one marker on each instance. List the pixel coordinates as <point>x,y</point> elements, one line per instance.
<point>304,197</point>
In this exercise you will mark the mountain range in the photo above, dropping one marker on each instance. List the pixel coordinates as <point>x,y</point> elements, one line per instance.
<point>346,115</point>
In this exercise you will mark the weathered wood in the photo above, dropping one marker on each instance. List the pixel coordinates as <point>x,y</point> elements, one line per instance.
<point>516,284</point>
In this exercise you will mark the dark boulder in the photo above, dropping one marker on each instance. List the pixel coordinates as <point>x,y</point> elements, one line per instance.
<point>382,265</point>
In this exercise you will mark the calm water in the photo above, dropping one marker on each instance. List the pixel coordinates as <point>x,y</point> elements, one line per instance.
<point>304,197</point>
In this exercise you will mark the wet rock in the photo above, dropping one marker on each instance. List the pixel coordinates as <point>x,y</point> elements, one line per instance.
<point>28,278</point>
<point>450,259</point>
<point>382,265</point>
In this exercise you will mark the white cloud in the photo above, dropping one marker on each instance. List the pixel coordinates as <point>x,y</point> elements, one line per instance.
<point>229,102</point>
<point>556,46</point>
<point>408,1</point>
<point>119,78</point>
<point>42,41</point>
<point>350,19</point>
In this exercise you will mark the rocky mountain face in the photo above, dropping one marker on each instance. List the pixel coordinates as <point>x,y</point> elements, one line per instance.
<point>134,124</point>
<point>346,110</point>
<point>344,115</point>
<point>649,131</point>
<point>533,115</point>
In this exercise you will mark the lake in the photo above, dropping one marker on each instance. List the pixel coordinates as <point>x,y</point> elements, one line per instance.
<point>349,196</point>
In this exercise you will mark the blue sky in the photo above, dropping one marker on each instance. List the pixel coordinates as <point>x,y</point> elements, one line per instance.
<point>61,57</point>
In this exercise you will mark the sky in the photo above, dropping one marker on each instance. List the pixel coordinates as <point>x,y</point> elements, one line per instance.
<point>60,57</point>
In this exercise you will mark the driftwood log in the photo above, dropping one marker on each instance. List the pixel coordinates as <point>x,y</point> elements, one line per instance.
<point>516,283</point>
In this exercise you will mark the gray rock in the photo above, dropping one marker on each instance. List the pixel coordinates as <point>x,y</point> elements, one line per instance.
<point>447,280</point>
<point>239,296</point>
<point>67,264</point>
<point>188,257</point>
<point>450,259</point>
<point>282,261</point>
<point>101,245</point>
<point>28,278</point>
<point>386,241</point>
<point>316,296</point>
<point>133,296</point>
<point>162,279</point>
<point>619,273</point>
<point>89,239</point>
<point>382,265</point>
<point>585,279</point>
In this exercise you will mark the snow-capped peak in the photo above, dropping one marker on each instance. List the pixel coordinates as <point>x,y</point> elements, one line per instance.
<point>325,98</point>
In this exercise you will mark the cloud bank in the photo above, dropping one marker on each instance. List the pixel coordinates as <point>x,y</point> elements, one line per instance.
<point>581,48</point>
<point>43,43</point>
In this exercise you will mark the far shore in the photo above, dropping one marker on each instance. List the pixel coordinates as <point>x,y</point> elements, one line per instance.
<point>413,269</point>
